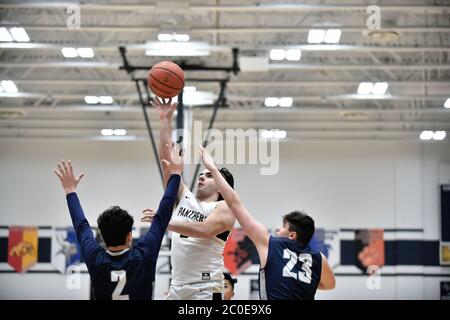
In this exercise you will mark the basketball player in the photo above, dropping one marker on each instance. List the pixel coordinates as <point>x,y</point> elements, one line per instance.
<point>121,271</point>
<point>200,224</point>
<point>290,270</point>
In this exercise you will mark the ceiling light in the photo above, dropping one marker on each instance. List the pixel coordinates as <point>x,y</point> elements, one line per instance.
<point>333,36</point>
<point>380,88</point>
<point>19,34</point>
<point>286,102</point>
<point>426,135</point>
<point>271,102</point>
<point>120,132</point>
<point>105,99</point>
<point>439,135</point>
<point>85,52</point>
<point>279,134</point>
<point>91,99</point>
<point>277,54</point>
<point>293,54</point>
<point>107,132</point>
<point>267,134</point>
<point>273,134</point>
<point>9,86</point>
<point>181,37</point>
<point>447,103</point>
<point>69,52</point>
<point>4,35</point>
<point>365,88</point>
<point>165,37</point>
<point>316,36</point>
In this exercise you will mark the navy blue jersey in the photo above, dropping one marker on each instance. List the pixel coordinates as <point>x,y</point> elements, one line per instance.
<point>128,274</point>
<point>292,272</point>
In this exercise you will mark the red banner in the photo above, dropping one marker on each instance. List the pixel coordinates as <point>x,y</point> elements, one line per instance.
<point>239,252</point>
<point>22,247</point>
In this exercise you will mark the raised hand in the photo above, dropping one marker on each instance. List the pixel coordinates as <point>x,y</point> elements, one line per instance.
<point>165,109</point>
<point>65,174</point>
<point>148,215</point>
<point>208,161</point>
<point>175,165</point>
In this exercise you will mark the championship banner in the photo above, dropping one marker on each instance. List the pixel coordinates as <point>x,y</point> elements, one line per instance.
<point>22,247</point>
<point>445,253</point>
<point>369,248</point>
<point>327,242</point>
<point>239,252</point>
<point>65,249</point>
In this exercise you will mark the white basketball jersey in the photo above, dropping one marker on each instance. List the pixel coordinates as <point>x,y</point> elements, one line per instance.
<point>194,259</point>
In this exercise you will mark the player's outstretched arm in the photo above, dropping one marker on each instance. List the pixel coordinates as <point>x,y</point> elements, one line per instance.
<point>151,242</point>
<point>257,232</point>
<point>84,233</point>
<point>327,279</point>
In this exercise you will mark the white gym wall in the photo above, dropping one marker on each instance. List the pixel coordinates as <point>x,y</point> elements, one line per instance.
<point>341,184</point>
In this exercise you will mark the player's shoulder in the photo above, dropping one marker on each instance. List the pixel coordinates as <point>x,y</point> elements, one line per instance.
<point>185,191</point>
<point>222,206</point>
<point>278,239</point>
<point>292,244</point>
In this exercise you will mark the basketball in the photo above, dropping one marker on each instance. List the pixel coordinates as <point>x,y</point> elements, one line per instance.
<point>166,79</point>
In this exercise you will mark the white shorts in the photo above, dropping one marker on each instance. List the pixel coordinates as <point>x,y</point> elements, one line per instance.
<point>211,290</point>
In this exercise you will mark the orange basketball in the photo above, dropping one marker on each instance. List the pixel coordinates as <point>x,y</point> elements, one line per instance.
<point>166,79</point>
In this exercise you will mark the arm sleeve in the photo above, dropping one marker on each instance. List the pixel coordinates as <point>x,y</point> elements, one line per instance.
<point>150,243</point>
<point>85,236</point>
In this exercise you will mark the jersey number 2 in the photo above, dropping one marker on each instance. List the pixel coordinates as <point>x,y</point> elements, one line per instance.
<point>305,274</point>
<point>119,276</point>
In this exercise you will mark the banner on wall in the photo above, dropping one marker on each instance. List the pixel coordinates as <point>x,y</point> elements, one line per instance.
<point>22,247</point>
<point>239,252</point>
<point>445,290</point>
<point>445,253</point>
<point>327,242</point>
<point>444,250</point>
<point>369,248</point>
<point>65,248</point>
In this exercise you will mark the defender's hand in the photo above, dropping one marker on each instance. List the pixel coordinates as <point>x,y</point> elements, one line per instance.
<point>148,215</point>
<point>65,174</point>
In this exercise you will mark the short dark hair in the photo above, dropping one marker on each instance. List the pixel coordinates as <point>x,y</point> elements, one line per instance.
<point>114,224</point>
<point>302,224</point>
<point>228,177</point>
<point>228,277</point>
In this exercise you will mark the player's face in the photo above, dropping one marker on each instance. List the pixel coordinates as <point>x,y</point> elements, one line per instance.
<point>283,231</point>
<point>205,184</point>
<point>228,292</point>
